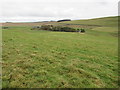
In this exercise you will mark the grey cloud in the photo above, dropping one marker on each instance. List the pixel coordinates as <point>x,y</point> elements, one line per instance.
<point>21,10</point>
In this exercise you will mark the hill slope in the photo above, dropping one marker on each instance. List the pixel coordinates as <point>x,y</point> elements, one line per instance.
<point>106,21</point>
<point>45,59</point>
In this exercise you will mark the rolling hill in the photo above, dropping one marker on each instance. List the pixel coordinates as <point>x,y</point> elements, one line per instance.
<point>105,21</point>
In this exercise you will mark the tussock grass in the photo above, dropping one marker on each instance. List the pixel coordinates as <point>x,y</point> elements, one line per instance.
<point>44,59</point>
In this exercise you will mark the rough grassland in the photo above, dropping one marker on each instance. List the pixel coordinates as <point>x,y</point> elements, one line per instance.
<point>43,59</point>
<point>106,21</point>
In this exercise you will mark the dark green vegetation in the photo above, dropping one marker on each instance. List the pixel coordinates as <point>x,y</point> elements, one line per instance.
<point>64,20</point>
<point>57,28</point>
<point>36,58</point>
<point>4,27</point>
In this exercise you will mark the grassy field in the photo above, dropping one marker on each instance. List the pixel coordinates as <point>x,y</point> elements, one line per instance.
<point>105,21</point>
<point>46,59</point>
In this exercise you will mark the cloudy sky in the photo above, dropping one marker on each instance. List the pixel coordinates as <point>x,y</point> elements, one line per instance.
<point>43,10</point>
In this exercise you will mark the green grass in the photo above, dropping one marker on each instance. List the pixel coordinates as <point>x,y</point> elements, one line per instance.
<point>106,21</point>
<point>45,59</point>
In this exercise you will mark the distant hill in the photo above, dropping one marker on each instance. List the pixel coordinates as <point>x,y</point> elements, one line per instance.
<point>105,21</point>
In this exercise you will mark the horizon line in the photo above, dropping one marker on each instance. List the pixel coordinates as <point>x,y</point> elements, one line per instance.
<point>53,20</point>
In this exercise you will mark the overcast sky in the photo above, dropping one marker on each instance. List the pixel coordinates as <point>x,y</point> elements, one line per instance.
<point>41,10</point>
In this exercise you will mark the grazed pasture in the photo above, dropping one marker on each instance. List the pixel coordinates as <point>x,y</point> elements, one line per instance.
<point>44,59</point>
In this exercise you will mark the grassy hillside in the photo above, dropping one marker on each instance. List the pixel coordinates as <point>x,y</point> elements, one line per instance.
<point>106,21</point>
<point>105,24</point>
<point>45,59</point>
